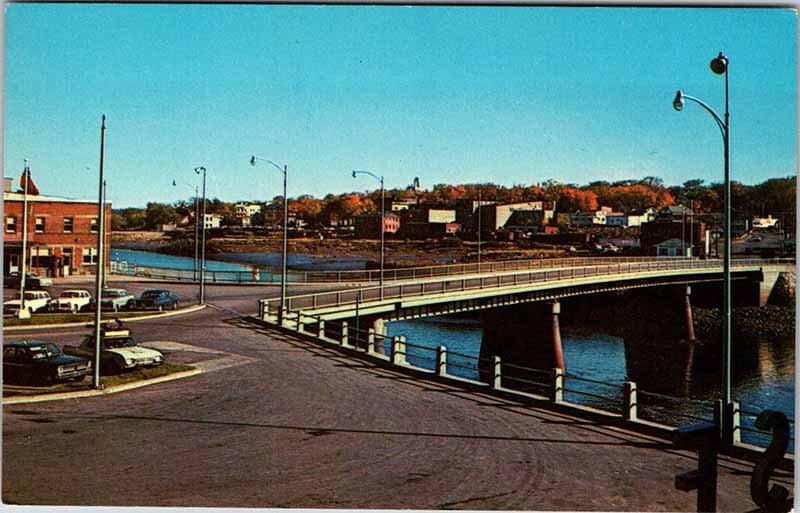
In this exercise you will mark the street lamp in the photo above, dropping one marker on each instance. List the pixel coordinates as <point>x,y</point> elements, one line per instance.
<point>196,225</point>
<point>285,171</point>
<point>719,65</point>
<point>383,213</point>
<point>202,298</point>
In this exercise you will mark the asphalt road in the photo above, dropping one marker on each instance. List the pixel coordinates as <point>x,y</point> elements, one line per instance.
<point>279,422</point>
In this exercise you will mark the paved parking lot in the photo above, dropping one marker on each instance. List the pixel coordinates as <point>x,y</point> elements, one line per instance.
<point>285,423</point>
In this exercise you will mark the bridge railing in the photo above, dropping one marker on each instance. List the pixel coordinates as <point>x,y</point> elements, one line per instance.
<point>619,400</point>
<point>393,291</point>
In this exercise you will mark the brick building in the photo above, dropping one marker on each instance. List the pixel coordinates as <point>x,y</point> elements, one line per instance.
<point>62,235</point>
<point>368,225</point>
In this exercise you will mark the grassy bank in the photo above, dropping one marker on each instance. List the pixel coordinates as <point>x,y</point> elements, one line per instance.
<point>42,319</point>
<point>107,381</point>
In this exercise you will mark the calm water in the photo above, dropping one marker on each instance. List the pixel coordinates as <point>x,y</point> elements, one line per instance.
<point>150,259</point>
<point>763,374</point>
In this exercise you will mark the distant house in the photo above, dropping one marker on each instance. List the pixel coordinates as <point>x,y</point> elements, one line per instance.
<point>368,225</point>
<point>674,214</point>
<point>273,216</point>
<point>212,221</point>
<point>590,217</point>
<point>428,222</point>
<point>670,248</point>
<point>244,212</point>
<point>630,219</point>
<point>397,205</point>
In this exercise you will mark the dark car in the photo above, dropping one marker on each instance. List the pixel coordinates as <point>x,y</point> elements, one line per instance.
<point>157,299</point>
<point>32,281</point>
<point>42,363</point>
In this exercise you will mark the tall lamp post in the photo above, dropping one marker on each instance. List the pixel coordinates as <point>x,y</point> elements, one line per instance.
<point>196,223</point>
<point>285,171</point>
<point>202,298</point>
<point>719,65</point>
<point>383,213</point>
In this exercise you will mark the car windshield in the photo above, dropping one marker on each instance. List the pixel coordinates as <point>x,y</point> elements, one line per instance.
<point>111,343</point>
<point>44,351</point>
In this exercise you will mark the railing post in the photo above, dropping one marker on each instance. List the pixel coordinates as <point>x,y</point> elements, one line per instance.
<point>370,340</point>
<point>441,361</point>
<point>630,408</point>
<point>496,374</point>
<point>343,341</point>
<point>299,326</point>
<point>321,329</point>
<point>731,424</point>
<point>557,386</point>
<point>401,349</point>
<point>393,349</point>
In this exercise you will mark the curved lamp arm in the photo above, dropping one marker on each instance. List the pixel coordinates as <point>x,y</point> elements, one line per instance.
<point>253,160</point>
<point>362,172</point>
<point>678,105</point>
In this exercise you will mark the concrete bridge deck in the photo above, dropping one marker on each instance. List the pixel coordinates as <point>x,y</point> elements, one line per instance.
<point>555,282</point>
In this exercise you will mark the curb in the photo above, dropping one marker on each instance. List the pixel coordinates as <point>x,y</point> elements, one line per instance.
<point>182,311</point>
<point>110,390</point>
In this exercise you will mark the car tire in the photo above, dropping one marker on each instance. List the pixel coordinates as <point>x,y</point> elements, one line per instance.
<point>175,305</point>
<point>48,380</point>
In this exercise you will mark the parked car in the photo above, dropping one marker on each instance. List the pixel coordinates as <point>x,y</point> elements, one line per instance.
<point>32,281</point>
<point>41,362</point>
<point>71,301</point>
<point>35,300</point>
<point>119,351</point>
<point>158,299</point>
<point>117,299</point>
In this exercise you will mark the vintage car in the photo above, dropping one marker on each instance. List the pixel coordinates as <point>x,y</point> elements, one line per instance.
<point>117,299</point>
<point>158,299</point>
<point>32,281</point>
<point>71,301</point>
<point>119,351</point>
<point>41,362</point>
<point>35,300</point>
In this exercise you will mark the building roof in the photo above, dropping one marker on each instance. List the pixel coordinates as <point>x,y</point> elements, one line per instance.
<point>18,196</point>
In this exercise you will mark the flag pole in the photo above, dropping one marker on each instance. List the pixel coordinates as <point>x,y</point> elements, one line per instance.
<point>23,312</point>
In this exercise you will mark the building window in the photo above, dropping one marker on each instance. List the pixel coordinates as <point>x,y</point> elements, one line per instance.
<point>40,225</point>
<point>94,225</point>
<point>67,225</point>
<point>11,224</point>
<point>89,256</point>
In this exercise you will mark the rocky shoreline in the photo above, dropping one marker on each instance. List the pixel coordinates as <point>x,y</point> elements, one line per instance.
<point>771,321</point>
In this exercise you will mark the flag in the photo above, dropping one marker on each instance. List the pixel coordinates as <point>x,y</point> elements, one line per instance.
<point>26,175</point>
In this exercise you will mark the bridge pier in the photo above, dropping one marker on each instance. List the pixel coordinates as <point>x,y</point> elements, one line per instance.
<point>689,318</point>
<point>527,335</point>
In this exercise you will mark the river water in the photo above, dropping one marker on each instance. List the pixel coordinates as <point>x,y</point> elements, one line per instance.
<point>763,375</point>
<point>763,370</point>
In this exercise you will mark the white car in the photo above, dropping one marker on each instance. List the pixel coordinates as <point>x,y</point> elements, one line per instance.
<point>35,300</point>
<point>117,299</point>
<point>71,301</point>
<point>120,352</point>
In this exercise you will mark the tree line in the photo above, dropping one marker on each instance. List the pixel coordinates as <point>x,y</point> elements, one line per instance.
<point>774,196</point>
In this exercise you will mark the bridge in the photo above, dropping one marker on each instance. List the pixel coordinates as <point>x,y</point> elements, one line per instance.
<point>451,289</point>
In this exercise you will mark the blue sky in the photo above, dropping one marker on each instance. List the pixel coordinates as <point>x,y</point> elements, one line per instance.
<point>449,94</point>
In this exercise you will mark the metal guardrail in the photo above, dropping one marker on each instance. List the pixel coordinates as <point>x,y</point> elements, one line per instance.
<point>453,284</point>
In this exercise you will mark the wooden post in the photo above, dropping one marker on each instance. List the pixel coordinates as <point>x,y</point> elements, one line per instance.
<point>630,411</point>
<point>557,386</point>
<point>441,361</point>
<point>343,340</point>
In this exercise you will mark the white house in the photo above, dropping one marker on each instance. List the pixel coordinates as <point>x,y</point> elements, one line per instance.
<point>213,221</point>
<point>764,222</point>
<point>245,211</point>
